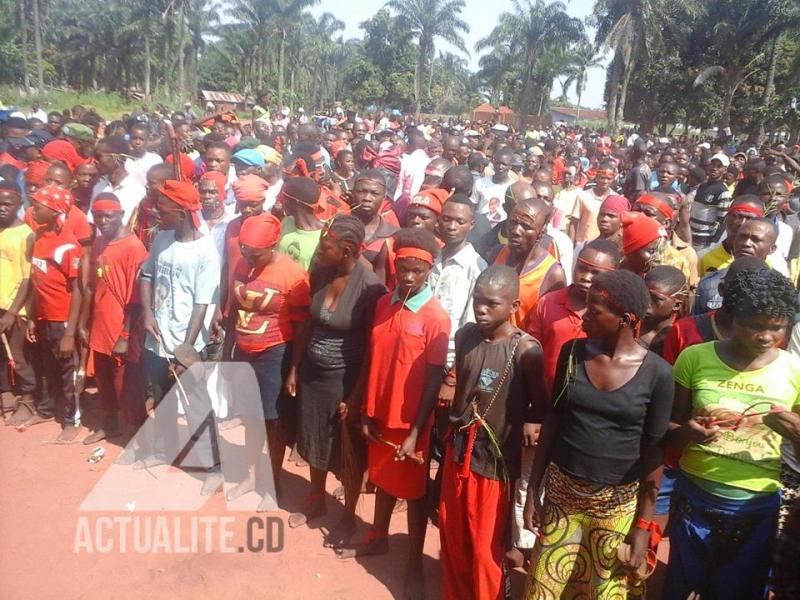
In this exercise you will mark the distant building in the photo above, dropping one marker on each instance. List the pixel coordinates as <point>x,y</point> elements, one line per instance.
<point>487,112</point>
<point>568,114</point>
<point>223,101</point>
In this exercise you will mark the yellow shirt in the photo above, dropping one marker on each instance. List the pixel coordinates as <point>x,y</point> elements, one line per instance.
<point>15,262</point>
<point>715,259</point>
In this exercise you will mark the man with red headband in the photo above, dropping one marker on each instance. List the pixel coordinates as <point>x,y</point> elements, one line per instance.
<point>16,239</point>
<point>408,351</point>
<point>215,218</point>
<point>642,239</point>
<point>591,199</point>
<point>111,309</point>
<point>179,291</point>
<point>111,154</point>
<point>56,294</point>
<point>719,257</point>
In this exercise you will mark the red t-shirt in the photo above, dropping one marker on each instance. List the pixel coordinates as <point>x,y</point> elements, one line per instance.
<point>76,223</point>
<point>114,277</point>
<point>269,303</point>
<point>559,167</point>
<point>686,332</point>
<point>402,346</point>
<point>55,260</point>
<point>554,322</point>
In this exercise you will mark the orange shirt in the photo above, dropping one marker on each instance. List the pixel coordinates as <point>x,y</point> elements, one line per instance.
<point>269,303</point>
<point>406,338</point>
<point>530,285</point>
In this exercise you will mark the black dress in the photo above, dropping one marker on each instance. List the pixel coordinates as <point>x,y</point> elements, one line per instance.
<point>333,360</point>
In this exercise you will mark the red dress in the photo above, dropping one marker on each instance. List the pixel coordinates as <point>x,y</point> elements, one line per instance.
<point>406,339</point>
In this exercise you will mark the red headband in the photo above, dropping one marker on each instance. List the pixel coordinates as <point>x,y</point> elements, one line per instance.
<point>663,207</point>
<point>747,209</point>
<point>106,203</point>
<point>595,266</point>
<point>418,253</point>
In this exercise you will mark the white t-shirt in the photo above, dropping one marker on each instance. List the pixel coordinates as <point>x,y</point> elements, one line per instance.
<point>138,167</point>
<point>412,173</point>
<point>788,454</point>
<point>182,274</point>
<point>489,197</point>
<point>217,232</point>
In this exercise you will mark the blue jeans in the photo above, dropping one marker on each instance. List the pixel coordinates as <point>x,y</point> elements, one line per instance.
<point>719,547</point>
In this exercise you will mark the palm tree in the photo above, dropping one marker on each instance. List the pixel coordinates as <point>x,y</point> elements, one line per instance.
<point>632,28</point>
<point>254,24</point>
<point>23,27</point>
<point>428,20</point>
<point>742,44</point>
<point>285,13</point>
<point>583,57</point>
<point>530,32</point>
<point>37,40</point>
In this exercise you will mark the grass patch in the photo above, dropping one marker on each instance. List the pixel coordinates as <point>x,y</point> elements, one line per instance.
<point>109,105</point>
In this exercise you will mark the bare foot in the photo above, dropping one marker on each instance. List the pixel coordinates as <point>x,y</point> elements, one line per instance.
<point>22,414</point>
<point>94,437</point>
<point>36,419</point>
<point>267,504</point>
<point>338,493</point>
<point>230,424</point>
<point>242,488</point>
<point>313,508</point>
<point>341,533</point>
<point>212,483</point>
<point>414,582</point>
<point>68,433</point>
<point>375,545</point>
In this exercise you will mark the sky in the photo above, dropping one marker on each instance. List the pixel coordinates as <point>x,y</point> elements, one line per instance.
<point>481,15</point>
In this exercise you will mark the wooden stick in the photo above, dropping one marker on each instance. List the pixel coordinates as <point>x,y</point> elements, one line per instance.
<point>416,457</point>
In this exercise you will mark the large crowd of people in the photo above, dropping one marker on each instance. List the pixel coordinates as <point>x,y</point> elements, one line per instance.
<point>558,345</point>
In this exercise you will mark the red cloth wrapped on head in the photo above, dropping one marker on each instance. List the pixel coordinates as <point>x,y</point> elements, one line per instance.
<point>63,151</point>
<point>219,180</point>
<point>260,231</point>
<point>433,199</point>
<point>250,188</point>
<point>185,195</point>
<point>639,231</point>
<point>616,205</point>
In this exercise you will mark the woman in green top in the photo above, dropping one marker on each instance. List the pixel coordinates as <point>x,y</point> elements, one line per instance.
<point>733,402</point>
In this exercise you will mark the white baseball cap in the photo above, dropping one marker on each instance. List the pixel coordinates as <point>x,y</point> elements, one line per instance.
<point>723,158</point>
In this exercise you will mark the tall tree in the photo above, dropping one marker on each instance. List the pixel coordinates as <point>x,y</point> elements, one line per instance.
<point>285,14</point>
<point>23,27</point>
<point>37,40</point>
<point>431,19</point>
<point>583,57</point>
<point>735,40</point>
<point>533,30</point>
<point>633,28</point>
